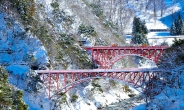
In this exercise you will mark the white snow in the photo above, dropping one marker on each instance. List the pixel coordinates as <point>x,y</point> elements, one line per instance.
<point>171,97</point>
<point>157,38</point>
<point>152,24</point>
<point>17,69</point>
<point>15,50</point>
<point>20,48</point>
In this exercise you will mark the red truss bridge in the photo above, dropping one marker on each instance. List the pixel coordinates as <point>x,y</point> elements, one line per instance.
<point>106,56</point>
<point>60,81</point>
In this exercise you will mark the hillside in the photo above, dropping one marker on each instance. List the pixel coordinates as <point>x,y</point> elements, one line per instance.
<point>46,34</point>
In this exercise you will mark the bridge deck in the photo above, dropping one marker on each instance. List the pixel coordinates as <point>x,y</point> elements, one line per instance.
<point>101,70</point>
<point>124,47</point>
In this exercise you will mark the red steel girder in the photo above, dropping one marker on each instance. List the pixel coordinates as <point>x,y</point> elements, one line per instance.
<point>57,81</point>
<point>106,56</point>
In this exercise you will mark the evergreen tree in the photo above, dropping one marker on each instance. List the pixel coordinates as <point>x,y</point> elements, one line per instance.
<point>178,42</point>
<point>137,26</point>
<point>173,29</point>
<point>139,31</point>
<point>179,28</point>
<point>139,39</point>
<point>144,28</point>
<point>5,90</point>
<point>10,98</point>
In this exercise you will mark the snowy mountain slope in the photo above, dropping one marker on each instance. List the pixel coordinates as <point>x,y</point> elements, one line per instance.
<point>18,47</point>
<point>171,97</point>
<point>21,49</point>
<point>25,51</point>
<point>143,9</point>
<point>85,14</point>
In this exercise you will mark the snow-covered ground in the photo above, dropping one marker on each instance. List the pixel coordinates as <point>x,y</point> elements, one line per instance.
<point>16,53</point>
<point>18,50</point>
<point>94,98</point>
<point>157,38</point>
<point>171,98</point>
<point>164,22</point>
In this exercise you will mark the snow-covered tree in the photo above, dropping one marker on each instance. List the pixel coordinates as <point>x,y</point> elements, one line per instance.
<point>178,42</point>
<point>139,38</point>
<point>10,97</point>
<point>156,5</point>
<point>173,28</point>
<point>139,31</point>
<point>173,56</point>
<point>169,83</point>
<point>137,27</point>
<point>177,27</point>
<point>26,8</point>
<point>144,28</point>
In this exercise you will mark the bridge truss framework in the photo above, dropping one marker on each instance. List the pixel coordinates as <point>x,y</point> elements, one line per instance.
<point>60,81</point>
<point>106,56</point>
